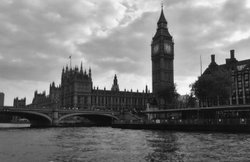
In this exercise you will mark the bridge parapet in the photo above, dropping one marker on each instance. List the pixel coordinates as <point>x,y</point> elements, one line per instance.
<point>52,117</point>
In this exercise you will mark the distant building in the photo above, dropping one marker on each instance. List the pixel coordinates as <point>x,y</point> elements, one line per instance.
<point>3,118</point>
<point>19,103</point>
<point>240,77</point>
<point>1,99</point>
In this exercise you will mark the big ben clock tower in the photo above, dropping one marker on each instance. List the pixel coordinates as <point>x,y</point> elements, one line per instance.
<point>162,56</point>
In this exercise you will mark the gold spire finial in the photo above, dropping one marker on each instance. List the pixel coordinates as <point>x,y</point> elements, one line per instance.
<point>161,5</point>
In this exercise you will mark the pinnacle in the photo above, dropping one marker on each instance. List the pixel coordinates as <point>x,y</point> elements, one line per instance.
<point>162,18</point>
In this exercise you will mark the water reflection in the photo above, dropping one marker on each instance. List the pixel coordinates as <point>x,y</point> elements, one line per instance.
<point>164,147</point>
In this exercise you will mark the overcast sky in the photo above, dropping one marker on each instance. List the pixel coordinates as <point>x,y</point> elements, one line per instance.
<point>113,37</point>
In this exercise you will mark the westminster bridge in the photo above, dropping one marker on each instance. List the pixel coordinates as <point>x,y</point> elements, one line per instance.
<point>48,117</point>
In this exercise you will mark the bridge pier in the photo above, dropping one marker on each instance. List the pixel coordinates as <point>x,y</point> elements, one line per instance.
<point>55,118</point>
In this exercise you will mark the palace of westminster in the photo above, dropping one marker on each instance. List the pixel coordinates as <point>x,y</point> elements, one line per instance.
<point>76,89</point>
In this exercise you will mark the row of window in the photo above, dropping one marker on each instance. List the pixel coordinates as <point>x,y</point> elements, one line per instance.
<point>246,84</point>
<point>107,100</point>
<point>240,91</point>
<point>239,77</point>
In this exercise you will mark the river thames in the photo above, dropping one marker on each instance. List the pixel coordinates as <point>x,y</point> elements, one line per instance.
<point>107,144</point>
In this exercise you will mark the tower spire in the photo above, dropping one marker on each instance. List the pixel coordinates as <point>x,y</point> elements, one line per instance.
<point>70,62</point>
<point>115,86</point>
<point>81,68</point>
<point>90,72</point>
<point>162,26</point>
<point>162,18</point>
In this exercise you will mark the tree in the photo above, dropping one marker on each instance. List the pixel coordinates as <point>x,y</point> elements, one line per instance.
<point>191,102</point>
<point>169,94</point>
<point>214,87</point>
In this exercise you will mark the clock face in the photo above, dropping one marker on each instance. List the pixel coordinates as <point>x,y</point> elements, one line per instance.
<point>155,48</point>
<point>167,48</point>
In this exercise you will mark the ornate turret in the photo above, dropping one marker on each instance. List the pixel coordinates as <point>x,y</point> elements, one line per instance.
<point>67,69</point>
<point>115,86</point>
<point>146,90</point>
<point>81,71</point>
<point>90,75</point>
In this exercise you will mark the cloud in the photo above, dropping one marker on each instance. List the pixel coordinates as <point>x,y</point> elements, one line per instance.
<point>126,49</point>
<point>207,29</point>
<point>38,36</point>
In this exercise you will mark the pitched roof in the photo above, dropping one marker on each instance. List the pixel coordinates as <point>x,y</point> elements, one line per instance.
<point>236,65</point>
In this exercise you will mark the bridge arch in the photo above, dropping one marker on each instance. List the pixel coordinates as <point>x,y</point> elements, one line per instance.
<point>36,119</point>
<point>97,118</point>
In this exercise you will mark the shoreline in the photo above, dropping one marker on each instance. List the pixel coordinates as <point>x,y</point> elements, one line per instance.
<point>14,125</point>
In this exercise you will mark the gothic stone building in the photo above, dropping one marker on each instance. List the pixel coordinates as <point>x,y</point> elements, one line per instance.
<point>240,78</point>
<point>77,91</point>
<point>162,56</point>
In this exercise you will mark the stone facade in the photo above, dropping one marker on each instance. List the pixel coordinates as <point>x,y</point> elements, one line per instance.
<point>241,83</point>
<point>120,100</point>
<point>54,93</point>
<point>76,88</point>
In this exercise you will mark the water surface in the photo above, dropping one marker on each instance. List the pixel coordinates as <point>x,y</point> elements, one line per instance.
<point>97,144</point>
